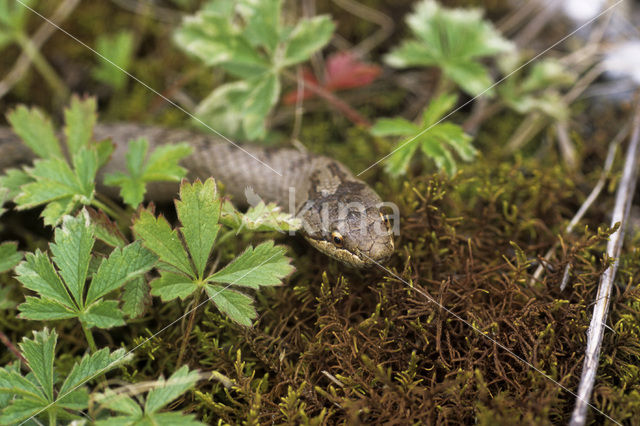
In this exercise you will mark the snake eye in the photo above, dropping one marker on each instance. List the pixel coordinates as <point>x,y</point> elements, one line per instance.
<point>337,238</point>
<point>385,219</point>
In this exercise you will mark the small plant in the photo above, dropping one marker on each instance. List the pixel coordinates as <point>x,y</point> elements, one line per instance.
<point>64,186</point>
<point>538,90</point>
<point>118,48</point>
<point>163,392</point>
<point>182,266</point>
<point>37,393</point>
<point>248,40</point>
<point>435,139</point>
<point>64,293</point>
<point>161,165</point>
<point>453,40</point>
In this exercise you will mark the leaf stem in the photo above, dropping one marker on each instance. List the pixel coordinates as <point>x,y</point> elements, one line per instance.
<point>52,416</point>
<point>192,317</point>
<point>336,102</point>
<point>103,206</point>
<point>42,65</point>
<point>89,336</point>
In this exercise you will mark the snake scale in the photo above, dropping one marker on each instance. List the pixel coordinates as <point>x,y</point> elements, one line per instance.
<point>340,214</point>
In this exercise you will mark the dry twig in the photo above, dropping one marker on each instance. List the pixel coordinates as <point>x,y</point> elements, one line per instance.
<point>624,197</point>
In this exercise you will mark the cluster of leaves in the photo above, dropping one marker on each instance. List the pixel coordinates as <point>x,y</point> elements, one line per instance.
<point>163,392</point>
<point>64,185</point>
<point>433,137</point>
<point>248,40</point>
<point>454,40</point>
<point>64,292</point>
<point>36,393</point>
<point>182,267</point>
<point>538,90</point>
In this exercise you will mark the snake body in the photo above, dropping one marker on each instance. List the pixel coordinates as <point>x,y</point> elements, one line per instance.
<point>340,214</point>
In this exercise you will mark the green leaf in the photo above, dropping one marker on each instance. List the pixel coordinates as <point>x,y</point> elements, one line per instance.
<point>171,285</point>
<point>72,253</point>
<point>394,127</point>
<point>161,166</point>
<point>40,353</point>
<point>13,383</point>
<point>20,410</point>
<point>89,367</point>
<point>237,306</point>
<point>79,119</point>
<point>37,273</point>
<point>212,38</point>
<point>103,314</point>
<point>158,237</point>
<point>259,218</point>
<point>45,310</point>
<point>262,96</point>
<point>136,297</point>
<point>9,256</point>
<point>263,22</point>
<point>55,181</point>
<point>36,131</point>
<point>455,137</point>
<point>454,40</point>
<point>34,393</point>
<point>222,109</point>
<point>398,162</point>
<point>472,77</point>
<point>266,265</point>
<point>437,108</point>
<point>308,36</point>
<point>121,266</point>
<point>435,149</point>
<point>118,48</point>
<point>199,212</point>
<point>166,391</point>
<point>118,402</point>
<point>434,138</point>
<point>13,179</point>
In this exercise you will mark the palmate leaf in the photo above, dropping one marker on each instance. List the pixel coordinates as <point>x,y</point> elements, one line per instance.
<point>264,265</point>
<point>35,393</point>
<point>199,214</point>
<point>452,39</point>
<point>434,138</point>
<point>119,49</point>
<point>259,218</point>
<point>36,131</point>
<point>255,48</point>
<point>63,291</point>
<point>199,211</point>
<point>162,394</point>
<point>162,165</point>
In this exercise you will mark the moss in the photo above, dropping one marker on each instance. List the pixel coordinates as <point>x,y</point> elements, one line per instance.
<point>340,346</point>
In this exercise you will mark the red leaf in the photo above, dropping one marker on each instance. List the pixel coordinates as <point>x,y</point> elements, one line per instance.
<point>343,71</point>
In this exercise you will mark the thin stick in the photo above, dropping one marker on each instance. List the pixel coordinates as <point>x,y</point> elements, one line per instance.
<point>624,197</point>
<point>4,339</point>
<point>187,334</point>
<point>41,35</point>
<point>595,192</point>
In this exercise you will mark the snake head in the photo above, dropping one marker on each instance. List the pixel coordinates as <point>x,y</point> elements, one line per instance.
<point>349,226</point>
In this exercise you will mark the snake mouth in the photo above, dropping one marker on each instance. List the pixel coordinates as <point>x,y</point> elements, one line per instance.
<point>357,260</point>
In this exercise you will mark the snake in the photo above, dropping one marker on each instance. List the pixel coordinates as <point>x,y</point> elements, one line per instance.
<point>341,215</point>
